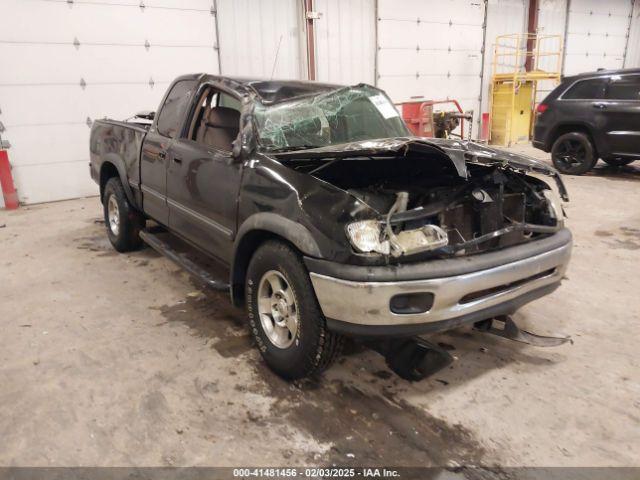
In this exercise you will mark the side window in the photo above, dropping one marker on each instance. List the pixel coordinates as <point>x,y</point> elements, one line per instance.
<point>624,88</point>
<point>217,124</point>
<point>174,107</point>
<point>592,89</point>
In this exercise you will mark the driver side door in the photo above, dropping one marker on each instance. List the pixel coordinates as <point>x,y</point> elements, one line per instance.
<point>203,178</point>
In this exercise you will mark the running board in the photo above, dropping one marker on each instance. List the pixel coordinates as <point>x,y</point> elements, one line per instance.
<point>181,260</point>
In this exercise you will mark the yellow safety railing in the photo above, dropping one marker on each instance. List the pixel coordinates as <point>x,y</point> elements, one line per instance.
<point>520,62</point>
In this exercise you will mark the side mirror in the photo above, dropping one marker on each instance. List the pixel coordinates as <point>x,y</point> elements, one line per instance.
<point>146,115</point>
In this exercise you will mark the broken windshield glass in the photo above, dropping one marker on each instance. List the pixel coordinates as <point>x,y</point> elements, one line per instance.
<point>346,115</point>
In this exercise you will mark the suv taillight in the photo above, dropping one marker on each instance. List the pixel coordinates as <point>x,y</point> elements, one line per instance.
<point>542,108</point>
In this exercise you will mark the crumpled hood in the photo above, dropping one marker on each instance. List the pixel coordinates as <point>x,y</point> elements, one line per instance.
<point>461,152</point>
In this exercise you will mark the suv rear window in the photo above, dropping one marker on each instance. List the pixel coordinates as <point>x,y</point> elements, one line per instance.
<point>591,89</point>
<point>174,107</point>
<point>624,88</point>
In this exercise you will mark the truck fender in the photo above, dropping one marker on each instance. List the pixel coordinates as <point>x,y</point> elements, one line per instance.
<point>117,162</point>
<point>253,231</point>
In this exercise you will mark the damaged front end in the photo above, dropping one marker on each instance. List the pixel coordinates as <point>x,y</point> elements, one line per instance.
<point>447,198</point>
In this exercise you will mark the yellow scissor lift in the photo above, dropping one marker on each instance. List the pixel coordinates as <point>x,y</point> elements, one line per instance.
<point>521,64</point>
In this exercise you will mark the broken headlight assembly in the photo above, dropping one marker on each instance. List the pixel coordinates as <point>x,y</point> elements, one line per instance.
<point>372,236</point>
<point>366,237</point>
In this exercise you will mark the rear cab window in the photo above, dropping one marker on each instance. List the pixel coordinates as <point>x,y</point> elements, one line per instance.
<point>174,107</point>
<point>590,89</point>
<point>623,87</point>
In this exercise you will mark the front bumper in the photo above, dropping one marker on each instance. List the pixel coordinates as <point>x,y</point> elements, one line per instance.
<point>465,289</point>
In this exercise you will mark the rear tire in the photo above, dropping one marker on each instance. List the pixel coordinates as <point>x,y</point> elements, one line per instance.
<point>122,220</point>
<point>619,162</point>
<point>284,315</point>
<point>573,153</point>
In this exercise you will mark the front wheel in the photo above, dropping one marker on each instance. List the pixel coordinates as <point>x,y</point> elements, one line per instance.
<point>284,315</point>
<point>122,220</point>
<point>619,162</point>
<point>573,153</point>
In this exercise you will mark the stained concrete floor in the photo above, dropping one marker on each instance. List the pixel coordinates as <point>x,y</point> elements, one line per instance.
<point>109,359</point>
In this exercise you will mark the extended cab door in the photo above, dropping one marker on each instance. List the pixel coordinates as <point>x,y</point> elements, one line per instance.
<point>203,179</point>
<point>156,149</point>
<point>621,108</point>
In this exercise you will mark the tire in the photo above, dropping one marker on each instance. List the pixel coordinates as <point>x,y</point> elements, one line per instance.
<point>299,344</point>
<point>573,153</point>
<point>122,220</point>
<point>619,162</point>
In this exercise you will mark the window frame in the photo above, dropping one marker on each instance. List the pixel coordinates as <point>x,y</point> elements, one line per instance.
<point>605,80</point>
<point>618,77</point>
<point>179,130</point>
<point>188,131</point>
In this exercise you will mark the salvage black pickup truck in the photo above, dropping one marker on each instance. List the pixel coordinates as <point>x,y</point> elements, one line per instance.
<point>331,219</point>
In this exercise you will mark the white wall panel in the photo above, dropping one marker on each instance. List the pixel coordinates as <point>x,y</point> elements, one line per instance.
<point>597,35</point>
<point>431,49</point>
<point>44,108</point>
<point>633,51</point>
<point>250,32</point>
<point>504,17</point>
<point>345,41</point>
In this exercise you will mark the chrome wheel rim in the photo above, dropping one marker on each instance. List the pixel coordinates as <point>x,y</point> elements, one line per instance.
<point>277,309</point>
<point>113,215</point>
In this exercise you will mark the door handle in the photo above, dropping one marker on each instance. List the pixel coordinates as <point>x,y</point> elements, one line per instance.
<point>162,154</point>
<point>599,106</point>
<point>177,160</point>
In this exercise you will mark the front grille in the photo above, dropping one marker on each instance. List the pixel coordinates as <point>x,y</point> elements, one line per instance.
<point>472,219</point>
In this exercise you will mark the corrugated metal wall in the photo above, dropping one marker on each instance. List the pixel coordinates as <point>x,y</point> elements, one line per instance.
<point>345,41</point>
<point>254,32</point>
<point>633,50</point>
<point>503,17</point>
<point>49,87</point>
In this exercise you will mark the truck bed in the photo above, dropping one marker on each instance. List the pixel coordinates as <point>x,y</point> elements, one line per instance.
<point>120,144</point>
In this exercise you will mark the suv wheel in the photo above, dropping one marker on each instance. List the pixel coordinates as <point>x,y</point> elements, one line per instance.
<point>573,153</point>
<point>619,162</point>
<point>284,315</point>
<point>122,220</point>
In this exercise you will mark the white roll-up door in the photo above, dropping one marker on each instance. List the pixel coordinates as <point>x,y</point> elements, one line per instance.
<point>65,63</point>
<point>596,35</point>
<point>431,49</point>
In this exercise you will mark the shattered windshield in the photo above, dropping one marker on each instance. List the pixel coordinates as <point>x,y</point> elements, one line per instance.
<point>346,115</point>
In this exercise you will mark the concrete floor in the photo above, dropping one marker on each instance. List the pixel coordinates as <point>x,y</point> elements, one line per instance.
<point>109,359</point>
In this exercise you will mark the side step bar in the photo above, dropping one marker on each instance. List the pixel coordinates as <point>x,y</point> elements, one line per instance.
<point>181,260</point>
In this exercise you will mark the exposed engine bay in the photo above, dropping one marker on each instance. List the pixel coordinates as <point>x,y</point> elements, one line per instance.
<point>427,208</point>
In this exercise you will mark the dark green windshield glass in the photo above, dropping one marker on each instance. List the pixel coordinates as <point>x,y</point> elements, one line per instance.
<point>346,115</point>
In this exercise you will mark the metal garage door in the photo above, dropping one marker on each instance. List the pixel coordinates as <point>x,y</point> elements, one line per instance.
<point>596,35</point>
<point>67,62</point>
<point>261,38</point>
<point>431,49</point>
<point>346,41</point>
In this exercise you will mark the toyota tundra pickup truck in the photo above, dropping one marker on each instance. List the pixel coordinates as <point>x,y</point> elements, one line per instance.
<point>331,219</point>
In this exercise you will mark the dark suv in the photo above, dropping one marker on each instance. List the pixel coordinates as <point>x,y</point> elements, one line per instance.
<point>590,116</point>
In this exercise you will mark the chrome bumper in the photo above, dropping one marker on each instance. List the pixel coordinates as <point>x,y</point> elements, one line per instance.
<point>368,303</point>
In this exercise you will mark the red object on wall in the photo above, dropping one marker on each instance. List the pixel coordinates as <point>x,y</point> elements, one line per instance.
<point>6,182</point>
<point>485,126</point>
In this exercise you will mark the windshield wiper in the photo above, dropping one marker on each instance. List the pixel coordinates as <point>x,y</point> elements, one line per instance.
<point>293,148</point>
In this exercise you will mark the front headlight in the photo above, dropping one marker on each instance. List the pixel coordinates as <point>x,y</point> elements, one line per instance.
<point>369,236</point>
<point>555,204</point>
<point>366,237</point>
